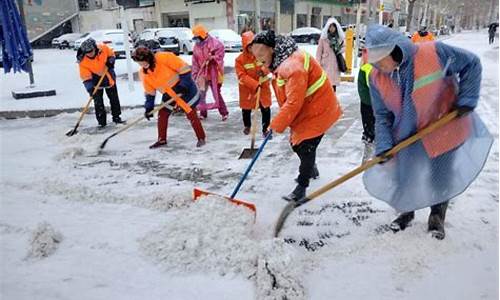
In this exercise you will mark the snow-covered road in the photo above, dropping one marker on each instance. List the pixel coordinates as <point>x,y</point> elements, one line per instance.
<point>117,212</point>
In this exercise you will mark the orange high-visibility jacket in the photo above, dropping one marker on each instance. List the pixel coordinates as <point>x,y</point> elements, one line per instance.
<point>307,102</point>
<point>97,64</point>
<point>166,73</point>
<point>246,69</point>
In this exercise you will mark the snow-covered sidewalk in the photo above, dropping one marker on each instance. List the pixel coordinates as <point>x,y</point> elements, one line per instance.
<point>122,224</point>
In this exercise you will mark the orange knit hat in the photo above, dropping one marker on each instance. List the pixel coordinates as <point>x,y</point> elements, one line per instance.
<point>200,31</point>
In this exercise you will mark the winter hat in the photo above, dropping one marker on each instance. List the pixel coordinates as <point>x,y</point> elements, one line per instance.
<point>267,38</point>
<point>88,45</point>
<point>200,31</point>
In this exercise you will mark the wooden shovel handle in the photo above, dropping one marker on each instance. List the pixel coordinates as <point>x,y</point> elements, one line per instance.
<point>439,123</point>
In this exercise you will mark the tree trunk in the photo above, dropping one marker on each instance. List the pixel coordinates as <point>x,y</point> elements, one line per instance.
<point>409,18</point>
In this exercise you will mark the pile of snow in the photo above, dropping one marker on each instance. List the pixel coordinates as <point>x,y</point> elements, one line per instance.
<point>214,235</point>
<point>44,241</point>
<point>278,272</point>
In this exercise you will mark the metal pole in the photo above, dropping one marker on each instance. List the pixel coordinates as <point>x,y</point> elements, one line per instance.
<point>28,64</point>
<point>381,12</point>
<point>127,50</point>
<point>358,35</point>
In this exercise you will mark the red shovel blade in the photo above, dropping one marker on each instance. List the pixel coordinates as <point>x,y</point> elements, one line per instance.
<point>197,193</point>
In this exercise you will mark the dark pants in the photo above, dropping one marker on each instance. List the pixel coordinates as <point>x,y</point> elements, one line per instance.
<point>100,111</point>
<point>368,122</point>
<point>306,152</point>
<point>266,117</point>
<point>492,38</point>
<point>334,88</point>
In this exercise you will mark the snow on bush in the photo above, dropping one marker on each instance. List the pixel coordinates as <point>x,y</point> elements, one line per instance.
<point>44,241</point>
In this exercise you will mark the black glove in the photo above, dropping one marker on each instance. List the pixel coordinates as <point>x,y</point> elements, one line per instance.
<point>110,62</point>
<point>147,113</point>
<point>463,110</point>
<point>385,157</point>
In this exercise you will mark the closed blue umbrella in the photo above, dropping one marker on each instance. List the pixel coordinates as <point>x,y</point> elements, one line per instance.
<point>16,49</point>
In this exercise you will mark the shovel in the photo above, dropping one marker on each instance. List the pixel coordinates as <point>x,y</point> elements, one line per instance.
<point>250,152</point>
<point>103,144</point>
<point>197,192</point>
<point>87,105</point>
<point>372,162</point>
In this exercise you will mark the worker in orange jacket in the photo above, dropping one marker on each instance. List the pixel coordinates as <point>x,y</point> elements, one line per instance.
<point>251,76</point>
<point>93,60</point>
<point>308,105</point>
<point>163,71</point>
<point>422,36</point>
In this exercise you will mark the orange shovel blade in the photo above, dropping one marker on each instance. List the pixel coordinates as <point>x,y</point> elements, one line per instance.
<point>197,193</point>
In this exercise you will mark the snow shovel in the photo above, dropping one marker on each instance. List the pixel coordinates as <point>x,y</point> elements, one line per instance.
<point>103,144</point>
<point>368,164</point>
<point>197,192</point>
<point>87,105</point>
<point>250,152</point>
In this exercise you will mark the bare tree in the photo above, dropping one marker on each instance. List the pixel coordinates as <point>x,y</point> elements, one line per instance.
<point>411,5</point>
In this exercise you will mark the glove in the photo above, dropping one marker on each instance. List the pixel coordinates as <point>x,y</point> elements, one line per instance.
<point>110,62</point>
<point>260,73</point>
<point>385,157</point>
<point>147,113</point>
<point>463,110</point>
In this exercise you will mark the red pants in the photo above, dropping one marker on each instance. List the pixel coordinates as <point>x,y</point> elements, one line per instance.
<point>163,115</point>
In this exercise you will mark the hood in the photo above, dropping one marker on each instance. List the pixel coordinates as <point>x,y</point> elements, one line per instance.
<point>380,39</point>
<point>324,32</point>
<point>246,39</point>
<point>200,31</point>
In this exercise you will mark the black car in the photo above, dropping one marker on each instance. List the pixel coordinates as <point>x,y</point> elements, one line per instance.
<point>159,39</point>
<point>306,35</point>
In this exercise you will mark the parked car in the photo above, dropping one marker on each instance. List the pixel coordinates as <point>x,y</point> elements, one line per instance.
<point>185,37</point>
<point>306,35</point>
<point>64,40</point>
<point>166,38</point>
<point>230,39</point>
<point>113,38</point>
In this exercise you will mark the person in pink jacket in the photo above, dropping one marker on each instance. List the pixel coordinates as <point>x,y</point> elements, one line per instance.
<point>208,70</point>
<point>330,43</point>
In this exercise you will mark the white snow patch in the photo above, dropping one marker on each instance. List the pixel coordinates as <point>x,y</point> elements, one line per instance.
<point>44,241</point>
<point>215,235</point>
<point>278,272</point>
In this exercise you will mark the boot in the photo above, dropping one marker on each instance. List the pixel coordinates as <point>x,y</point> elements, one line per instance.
<point>158,144</point>
<point>315,174</point>
<point>436,220</point>
<point>118,120</point>
<point>224,118</point>
<point>246,131</point>
<point>403,221</point>
<point>298,193</point>
<point>200,143</point>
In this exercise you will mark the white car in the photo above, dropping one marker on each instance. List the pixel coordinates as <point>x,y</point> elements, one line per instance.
<point>230,39</point>
<point>185,37</point>
<point>112,38</point>
<point>64,40</point>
